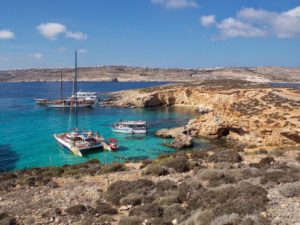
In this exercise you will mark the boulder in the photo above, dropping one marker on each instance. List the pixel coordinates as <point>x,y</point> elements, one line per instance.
<point>169,133</point>
<point>181,141</point>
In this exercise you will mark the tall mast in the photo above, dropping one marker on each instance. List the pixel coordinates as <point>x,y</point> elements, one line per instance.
<point>75,89</point>
<point>61,86</point>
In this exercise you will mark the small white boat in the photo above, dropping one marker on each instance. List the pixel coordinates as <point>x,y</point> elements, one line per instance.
<point>88,96</point>
<point>130,127</point>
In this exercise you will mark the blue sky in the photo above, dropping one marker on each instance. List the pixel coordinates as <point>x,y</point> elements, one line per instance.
<point>154,33</point>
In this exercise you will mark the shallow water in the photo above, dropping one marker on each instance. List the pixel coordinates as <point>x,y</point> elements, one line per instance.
<point>27,129</point>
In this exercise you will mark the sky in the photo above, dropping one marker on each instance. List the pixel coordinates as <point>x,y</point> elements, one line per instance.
<point>151,33</point>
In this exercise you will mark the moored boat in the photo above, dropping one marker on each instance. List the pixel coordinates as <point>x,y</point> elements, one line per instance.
<point>75,141</point>
<point>83,99</point>
<point>130,127</point>
<point>79,142</point>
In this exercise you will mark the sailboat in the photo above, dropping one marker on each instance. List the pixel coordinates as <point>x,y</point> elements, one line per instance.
<point>74,140</point>
<point>82,102</point>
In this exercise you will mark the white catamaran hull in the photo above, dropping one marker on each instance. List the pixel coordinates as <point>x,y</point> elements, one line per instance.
<point>128,131</point>
<point>74,149</point>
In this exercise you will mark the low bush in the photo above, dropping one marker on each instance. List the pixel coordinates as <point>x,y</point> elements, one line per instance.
<point>76,210</point>
<point>242,199</point>
<point>131,220</point>
<point>279,177</point>
<point>198,155</point>
<point>115,167</point>
<point>290,190</point>
<point>179,164</point>
<point>261,151</point>
<point>229,156</point>
<point>168,198</point>
<point>105,209</point>
<point>221,179</point>
<point>147,211</point>
<point>188,190</point>
<point>175,212</point>
<point>120,189</point>
<point>156,170</point>
<point>159,221</point>
<point>267,161</point>
<point>164,185</point>
<point>132,199</point>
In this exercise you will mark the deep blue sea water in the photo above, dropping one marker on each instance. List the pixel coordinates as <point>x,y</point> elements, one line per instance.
<point>26,129</point>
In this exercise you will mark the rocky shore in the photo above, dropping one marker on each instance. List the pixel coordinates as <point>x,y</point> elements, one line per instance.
<point>223,186</point>
<point>254,115</point>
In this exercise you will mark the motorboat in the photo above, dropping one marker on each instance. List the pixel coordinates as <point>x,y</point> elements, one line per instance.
<point>130,127</point>
<point>88,96</point>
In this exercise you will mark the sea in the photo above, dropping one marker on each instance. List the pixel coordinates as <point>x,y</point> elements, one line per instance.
<point>26,129</point>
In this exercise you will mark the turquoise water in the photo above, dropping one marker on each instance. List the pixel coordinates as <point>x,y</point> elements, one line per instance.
<point>26,129</point>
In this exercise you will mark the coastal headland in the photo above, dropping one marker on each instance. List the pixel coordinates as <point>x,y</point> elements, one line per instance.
<point>127,73</point>
<point>251,114</point>
<point>254,178</point>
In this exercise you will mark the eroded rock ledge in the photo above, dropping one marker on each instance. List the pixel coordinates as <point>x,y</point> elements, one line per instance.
<point>253,115</point>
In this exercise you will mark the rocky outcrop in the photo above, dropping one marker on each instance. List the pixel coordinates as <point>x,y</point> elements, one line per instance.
<point>252,115</point>
<point>169,133</point>
<point>181,141</point>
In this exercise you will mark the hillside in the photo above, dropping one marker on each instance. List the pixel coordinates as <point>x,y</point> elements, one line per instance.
<point>124,73</point>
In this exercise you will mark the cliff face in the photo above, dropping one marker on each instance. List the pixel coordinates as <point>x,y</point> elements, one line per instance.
<point>255,116</point>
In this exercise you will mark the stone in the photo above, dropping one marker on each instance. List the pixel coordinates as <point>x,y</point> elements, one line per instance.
<point>181,141</point>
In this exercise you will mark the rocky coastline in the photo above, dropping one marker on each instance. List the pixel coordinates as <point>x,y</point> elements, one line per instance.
<point>254,115</point>
<point>254,181</point>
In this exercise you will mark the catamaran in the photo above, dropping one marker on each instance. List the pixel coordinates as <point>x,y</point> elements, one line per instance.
<point>130,127</point>
<point>74,140</point>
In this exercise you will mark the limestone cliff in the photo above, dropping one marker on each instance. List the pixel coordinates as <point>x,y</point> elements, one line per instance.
<point>253,115</point>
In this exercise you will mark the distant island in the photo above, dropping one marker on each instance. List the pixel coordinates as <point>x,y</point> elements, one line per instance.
<point>126,73</point>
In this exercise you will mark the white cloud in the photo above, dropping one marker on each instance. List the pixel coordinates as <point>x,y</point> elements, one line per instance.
<point>251,22</point>
<point>287,24</point>
<point>176,4</point>
<point>231,28</point>
<point>51,30</point>
<point>256,15</point>
<point>76,35</point>
<point>208,20</point>
<point>82,50</point>
<point>283,25</point>
<point>37,55</point>
<point>6,34</point>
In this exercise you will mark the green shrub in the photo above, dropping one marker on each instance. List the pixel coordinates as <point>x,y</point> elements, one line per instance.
<point>120,189</point>
<point>156,170</point>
